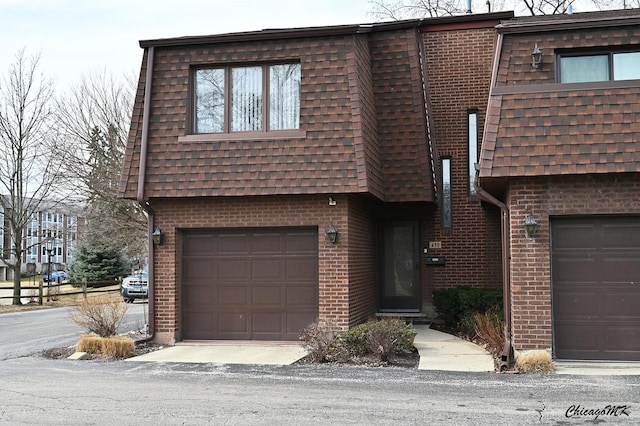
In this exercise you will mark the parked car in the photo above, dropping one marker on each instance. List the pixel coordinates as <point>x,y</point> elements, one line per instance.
<point>135,286</point>
<point>57,276</point>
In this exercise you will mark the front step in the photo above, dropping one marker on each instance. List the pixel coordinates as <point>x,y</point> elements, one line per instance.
<point>412,317</point>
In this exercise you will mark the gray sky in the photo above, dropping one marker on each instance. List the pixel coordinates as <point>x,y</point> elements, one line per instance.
<point>76,37</point>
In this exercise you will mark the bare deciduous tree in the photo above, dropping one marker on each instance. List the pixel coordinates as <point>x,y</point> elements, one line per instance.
<point>409,9</point>
<point>95,118</point>
<point>31,154</point>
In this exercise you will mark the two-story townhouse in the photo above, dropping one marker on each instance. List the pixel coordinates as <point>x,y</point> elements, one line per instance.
<point>314,173</point>
<point>561,153</point>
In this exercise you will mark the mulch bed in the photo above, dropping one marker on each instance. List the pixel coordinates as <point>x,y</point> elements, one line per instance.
<point>408,359</point>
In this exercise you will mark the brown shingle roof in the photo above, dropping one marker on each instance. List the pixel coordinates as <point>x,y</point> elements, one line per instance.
<point>537,127</point>
<point>587,131</point>
<point>336,150</point>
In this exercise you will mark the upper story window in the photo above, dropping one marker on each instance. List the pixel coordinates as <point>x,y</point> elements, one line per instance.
<point>446,193</point>
<point>472,133</point>
<point>601,66</point>
<point>247,98</point>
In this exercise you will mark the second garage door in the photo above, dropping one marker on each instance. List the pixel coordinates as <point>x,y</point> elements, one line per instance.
<point>596,288</point>
<point>249,284</point>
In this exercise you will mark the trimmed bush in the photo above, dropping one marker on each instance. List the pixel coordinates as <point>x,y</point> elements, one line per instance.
<point>389,335</point>
<point>453,304</point>
<point>320,339</point>
<point>101,315</point>
<point>356,341</point>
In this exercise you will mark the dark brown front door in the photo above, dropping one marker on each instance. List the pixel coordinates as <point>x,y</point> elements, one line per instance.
<point>596,288</point>
<point>258,284</point>
<point>399,284</point>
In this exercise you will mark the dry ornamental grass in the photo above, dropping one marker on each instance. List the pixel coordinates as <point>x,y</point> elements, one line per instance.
<point>535,362</point>
<point>108,347</point>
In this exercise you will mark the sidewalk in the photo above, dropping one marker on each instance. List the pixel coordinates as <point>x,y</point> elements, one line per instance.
<point>445,352</point>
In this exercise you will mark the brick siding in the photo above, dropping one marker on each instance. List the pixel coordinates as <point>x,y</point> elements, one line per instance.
<point>530,258</point>
<point>346,269</point>
<point>458,64</point>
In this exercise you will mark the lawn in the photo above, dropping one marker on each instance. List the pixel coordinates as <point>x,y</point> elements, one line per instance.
<point>59,296</point>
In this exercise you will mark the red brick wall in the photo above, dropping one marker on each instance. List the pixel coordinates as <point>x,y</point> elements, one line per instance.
<point>346,269</point>
<point>458,64</point>
<point>362,261</point>
<point>530,258</point>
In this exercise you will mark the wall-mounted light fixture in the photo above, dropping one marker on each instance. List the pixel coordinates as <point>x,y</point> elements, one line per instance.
<point>332,235</point>
<point>332,202</point>
<point>158,237</point>
<point>536,57</point>
<point>530,225</point>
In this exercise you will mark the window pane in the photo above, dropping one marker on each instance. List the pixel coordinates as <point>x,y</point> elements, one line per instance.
<point>626,66</point>
<point>446,193</point>
<point>473,149</point>
<point>246,99</point>
<point>284,88</point>
<point>577,69</point>
<point>209,108</point>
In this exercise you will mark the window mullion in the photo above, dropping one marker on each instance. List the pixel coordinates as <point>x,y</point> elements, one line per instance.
<point>610,59</point>
<point>228,100</point>
<point>266,101</point>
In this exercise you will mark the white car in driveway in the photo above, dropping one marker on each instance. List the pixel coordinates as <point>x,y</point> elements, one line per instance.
<point>135,286</point>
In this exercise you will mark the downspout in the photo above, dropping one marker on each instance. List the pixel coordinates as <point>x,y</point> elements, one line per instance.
<point>504,222</point>
<point>506,270</point>
<point>140,196</point>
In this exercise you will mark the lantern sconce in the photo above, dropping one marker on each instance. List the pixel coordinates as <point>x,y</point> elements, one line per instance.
<point>158,237</point>
<point>530,226</point>
<point>536,57</point>
<point>332,234</point>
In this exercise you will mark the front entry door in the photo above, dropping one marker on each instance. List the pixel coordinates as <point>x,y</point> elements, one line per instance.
<point>400,284</point>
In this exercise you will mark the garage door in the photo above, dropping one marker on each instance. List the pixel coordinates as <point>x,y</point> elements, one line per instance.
<point>249,284</point>
<point>596,288</point>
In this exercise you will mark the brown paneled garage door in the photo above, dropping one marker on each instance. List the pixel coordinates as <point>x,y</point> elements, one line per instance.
<point>596,288</point>
<point>249,284</point>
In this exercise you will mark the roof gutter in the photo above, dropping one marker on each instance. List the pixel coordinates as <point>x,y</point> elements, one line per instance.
<point>144,146</point>
<point>504,222</point>
<point>572,22</point>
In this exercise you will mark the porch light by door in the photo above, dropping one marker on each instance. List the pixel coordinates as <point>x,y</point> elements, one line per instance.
<point>332,235</point>
<point>536,57</point>
<point>158,237</point>
<point>530,226</point>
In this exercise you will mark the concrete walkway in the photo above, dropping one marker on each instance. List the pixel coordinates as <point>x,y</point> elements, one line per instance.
<point>438,351</point>
<point>442,351</point>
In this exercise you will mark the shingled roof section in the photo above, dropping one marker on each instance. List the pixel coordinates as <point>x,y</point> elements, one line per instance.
<point>538,127</point>
<point>336,150</point>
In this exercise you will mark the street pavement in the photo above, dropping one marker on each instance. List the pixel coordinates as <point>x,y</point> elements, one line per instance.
<point>38,391</point>
<point>29,332</point>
